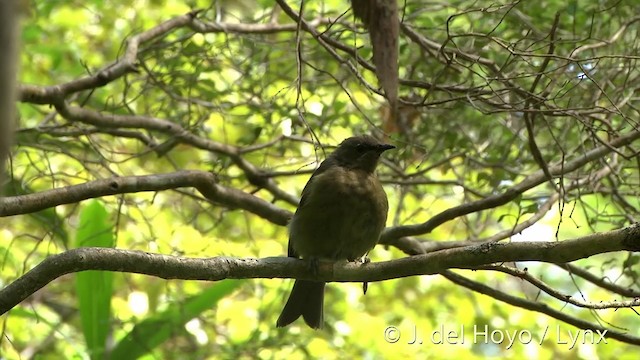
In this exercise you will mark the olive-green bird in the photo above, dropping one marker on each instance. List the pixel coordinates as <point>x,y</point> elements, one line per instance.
<point>342,212</point>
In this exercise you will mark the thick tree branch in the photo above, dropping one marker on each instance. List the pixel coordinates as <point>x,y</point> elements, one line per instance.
<point>220,268</point>
<point>205,182</point>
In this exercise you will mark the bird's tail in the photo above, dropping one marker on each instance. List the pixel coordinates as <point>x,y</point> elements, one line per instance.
<point>306,299</point>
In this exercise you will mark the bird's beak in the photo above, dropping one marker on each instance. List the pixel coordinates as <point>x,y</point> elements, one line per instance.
<point>385,147</point>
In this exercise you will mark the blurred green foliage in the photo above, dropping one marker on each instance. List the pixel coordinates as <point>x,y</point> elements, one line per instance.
<point>244,88</point>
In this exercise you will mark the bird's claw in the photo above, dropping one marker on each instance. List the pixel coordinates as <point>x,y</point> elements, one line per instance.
<point>360,260</point>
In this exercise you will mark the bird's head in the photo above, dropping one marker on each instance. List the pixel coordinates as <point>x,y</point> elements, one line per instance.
<point>360,152</point>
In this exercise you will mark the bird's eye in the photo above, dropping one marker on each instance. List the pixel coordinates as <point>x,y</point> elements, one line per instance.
<point>361,147</point>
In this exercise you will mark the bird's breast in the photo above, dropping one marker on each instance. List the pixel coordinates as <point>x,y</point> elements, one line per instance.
<point>341,216</point>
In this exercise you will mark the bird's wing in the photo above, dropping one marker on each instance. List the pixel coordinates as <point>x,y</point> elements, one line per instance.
<point>290,251</point>
<point>329,162</point>
<point>326,164</point>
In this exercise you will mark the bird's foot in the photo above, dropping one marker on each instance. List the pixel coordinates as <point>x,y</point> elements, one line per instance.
<point>363,260</point>
<point>314,265</point>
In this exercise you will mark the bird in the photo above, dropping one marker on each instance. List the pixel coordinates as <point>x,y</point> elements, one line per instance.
<point>341,214</point>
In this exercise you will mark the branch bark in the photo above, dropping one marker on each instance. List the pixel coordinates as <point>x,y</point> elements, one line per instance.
<point>205,182</point>
<point>220,268</point>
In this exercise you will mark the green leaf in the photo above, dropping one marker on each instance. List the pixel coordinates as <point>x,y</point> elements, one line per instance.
<point>530,209</point>
<point>156,329</point>
<point>95,288</point>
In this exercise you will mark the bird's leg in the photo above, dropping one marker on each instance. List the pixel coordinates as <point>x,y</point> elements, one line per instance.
<point>365,285</point>
<point>314,265</point>
<point>363,260</point>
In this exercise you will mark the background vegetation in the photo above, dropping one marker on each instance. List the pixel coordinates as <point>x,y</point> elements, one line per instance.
<point>518,122</point>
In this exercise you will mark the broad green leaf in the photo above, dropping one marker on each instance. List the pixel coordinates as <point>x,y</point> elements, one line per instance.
<point>95,288</point>
<point>156,329</point>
